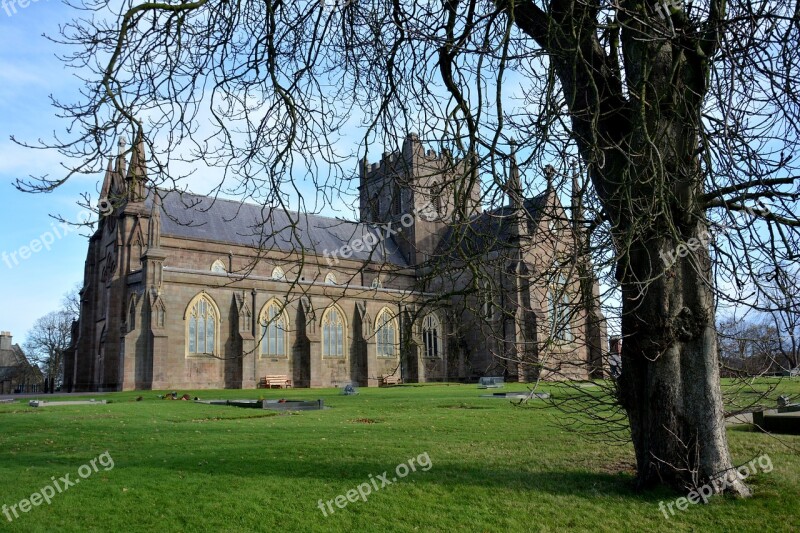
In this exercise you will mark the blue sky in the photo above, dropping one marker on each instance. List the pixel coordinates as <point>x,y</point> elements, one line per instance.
<point>33,281</point>
<point>29,73</point>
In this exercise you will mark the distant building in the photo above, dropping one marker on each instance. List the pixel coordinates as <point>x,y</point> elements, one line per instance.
<point>184,291</point>
<point>17,374</point>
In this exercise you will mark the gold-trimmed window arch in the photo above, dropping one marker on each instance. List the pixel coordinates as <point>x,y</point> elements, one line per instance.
<point>334,332</point>
<point>202,326</point>
<point>274,324</point>
<point>386,333</point>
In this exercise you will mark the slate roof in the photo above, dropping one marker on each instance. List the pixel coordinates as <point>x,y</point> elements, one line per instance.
<point>11,357</point>
<point>14,364</point>
<point>205,218</point>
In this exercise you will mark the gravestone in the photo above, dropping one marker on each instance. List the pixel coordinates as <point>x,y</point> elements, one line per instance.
<point>490,382</point>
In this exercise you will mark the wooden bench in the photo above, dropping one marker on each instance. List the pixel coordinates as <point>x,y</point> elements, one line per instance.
<point>391,380</point>
<point>277,380</point>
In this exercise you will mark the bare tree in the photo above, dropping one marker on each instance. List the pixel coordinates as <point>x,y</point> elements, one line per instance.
<point>680,121</point>
<point>46,342</point>
<point>71,302</point>
<point>754,348</point>
<point>748,348</point>
<point>786,322</point>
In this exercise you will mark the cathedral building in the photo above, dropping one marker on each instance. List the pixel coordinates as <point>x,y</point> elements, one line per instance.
<point>188,292</point>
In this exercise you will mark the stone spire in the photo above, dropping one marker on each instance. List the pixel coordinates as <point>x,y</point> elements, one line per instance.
<point>549,174</point>
<point>120,170</point>
<point>137,173</point>
<point>576,206</point>
<point>154,231</point>
<point>514,185</point>
<point>108,181</point>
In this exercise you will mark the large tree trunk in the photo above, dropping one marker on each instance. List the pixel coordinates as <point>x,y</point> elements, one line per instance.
<point>670,384</point>
<point>636,119</point>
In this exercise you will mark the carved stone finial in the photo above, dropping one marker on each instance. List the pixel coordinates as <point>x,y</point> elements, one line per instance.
<point>514,184</point>
<point>154,230</point>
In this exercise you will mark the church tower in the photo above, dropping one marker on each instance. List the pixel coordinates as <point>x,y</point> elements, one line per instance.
<point>111,306</point>
<point>137,172</point>
<point>417,192</point>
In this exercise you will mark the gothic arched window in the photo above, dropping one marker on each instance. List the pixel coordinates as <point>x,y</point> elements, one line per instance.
<point>375,207</point>
<point>559,306</point>
<point>333,332</point>
<point>431,336</point>
<point>274,328</point>
<point>397,200</point>
<point>386,333</point>
<point>436,198</point>
<point>488,301</point>
<point>202,326</point>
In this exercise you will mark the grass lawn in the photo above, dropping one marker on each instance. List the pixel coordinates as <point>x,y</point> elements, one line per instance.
<point>183,467</point>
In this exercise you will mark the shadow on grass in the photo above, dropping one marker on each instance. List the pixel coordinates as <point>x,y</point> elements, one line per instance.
<point>284,472</point>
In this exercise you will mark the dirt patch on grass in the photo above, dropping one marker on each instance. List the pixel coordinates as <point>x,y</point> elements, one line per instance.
<point>463,406</point>
<point>21,411</point>
<point>223,418</point>
<point>365,421</point>
<point>616,467</point>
